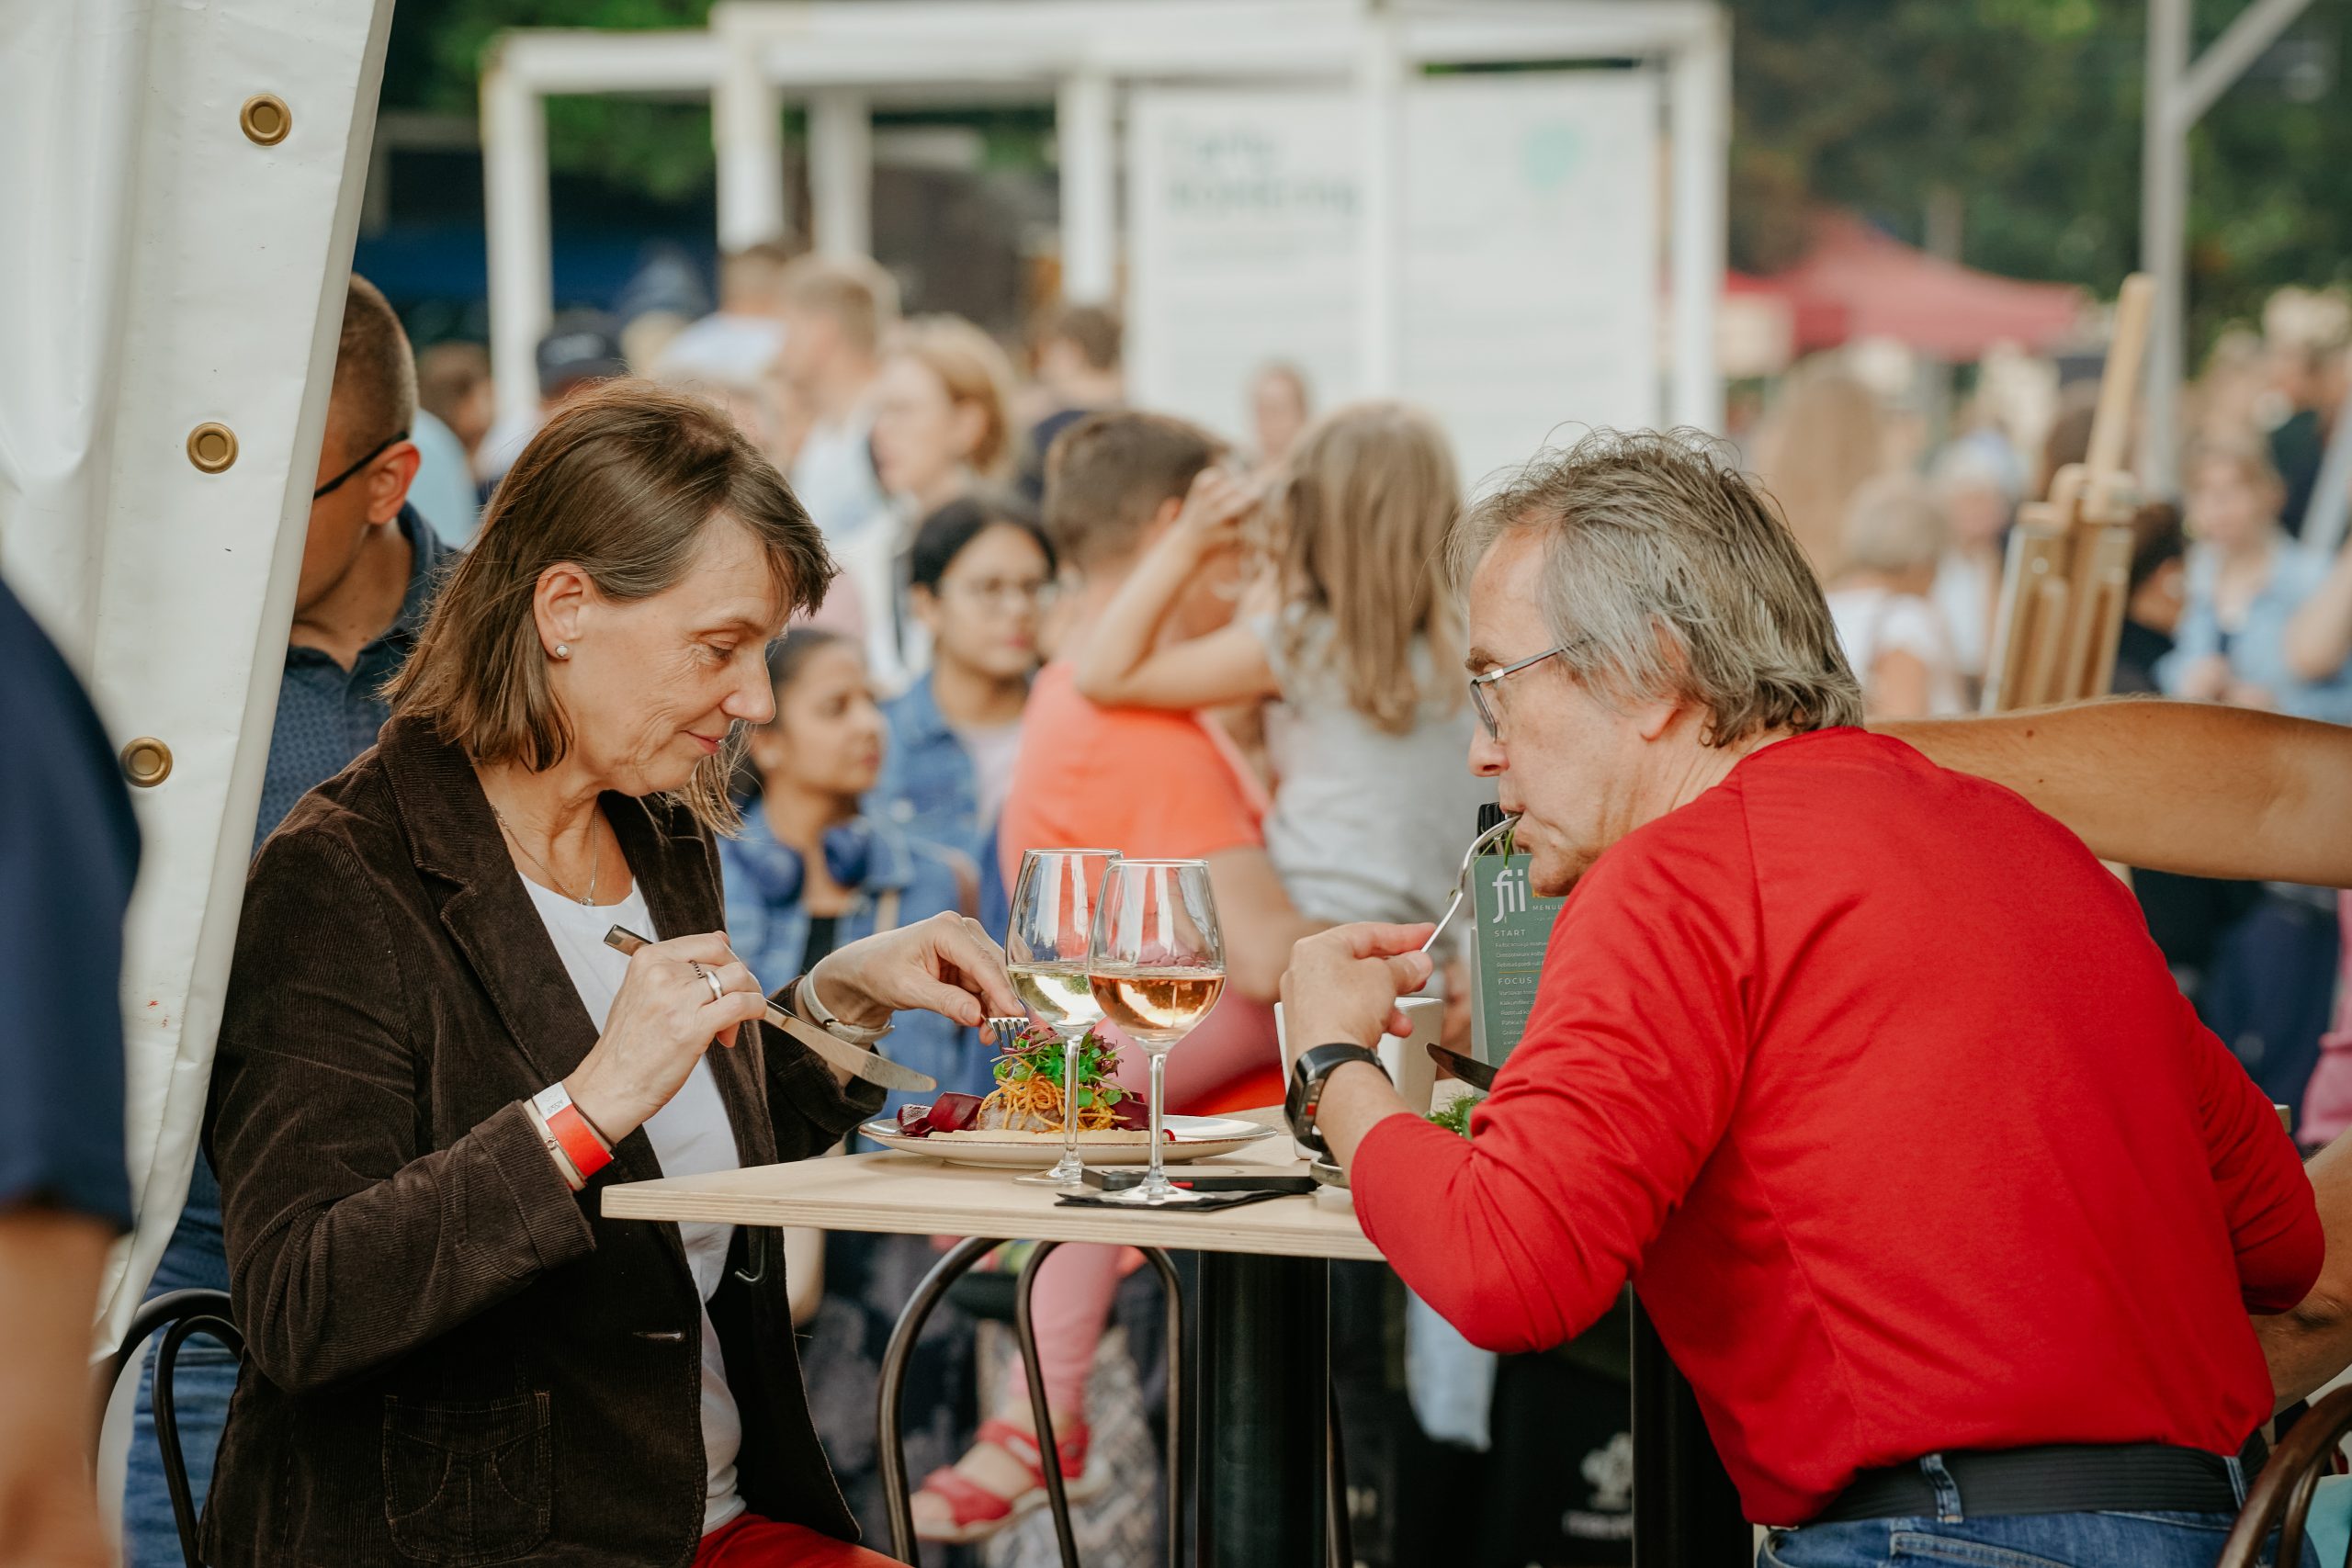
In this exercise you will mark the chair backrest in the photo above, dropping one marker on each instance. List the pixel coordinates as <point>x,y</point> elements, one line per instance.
<point>2281,1494</point>
<point>177,1316</point>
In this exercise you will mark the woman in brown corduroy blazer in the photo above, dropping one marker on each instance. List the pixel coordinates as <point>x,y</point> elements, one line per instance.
<point>452,1358</point>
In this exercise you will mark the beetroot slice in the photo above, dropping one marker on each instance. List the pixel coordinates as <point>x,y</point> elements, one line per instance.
<point>949,1113</point>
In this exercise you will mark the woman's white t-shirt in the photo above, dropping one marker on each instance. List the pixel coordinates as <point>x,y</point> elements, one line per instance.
<point>1873,621</point>
<point>691,1136</point>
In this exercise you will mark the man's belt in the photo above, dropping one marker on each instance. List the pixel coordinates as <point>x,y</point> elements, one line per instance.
<point>2057,1479</point>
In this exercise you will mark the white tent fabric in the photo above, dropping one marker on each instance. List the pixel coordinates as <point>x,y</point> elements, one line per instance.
<point>161,268</point>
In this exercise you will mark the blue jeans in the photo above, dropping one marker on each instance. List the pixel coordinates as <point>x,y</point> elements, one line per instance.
<point>2017,1541</point>
<point>203,1378</point>
<point>2012,1540</point>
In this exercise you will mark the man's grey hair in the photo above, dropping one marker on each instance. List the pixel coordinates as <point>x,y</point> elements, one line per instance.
<point>1667,573</point>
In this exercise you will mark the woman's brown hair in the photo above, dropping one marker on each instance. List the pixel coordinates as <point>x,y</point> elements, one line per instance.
<point>622,482</point>
<point>1360,516</point>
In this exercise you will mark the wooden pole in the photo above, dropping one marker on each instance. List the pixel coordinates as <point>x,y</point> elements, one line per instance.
<point>2070,558</point>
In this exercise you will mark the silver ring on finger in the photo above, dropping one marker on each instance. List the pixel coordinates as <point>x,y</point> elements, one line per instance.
<point>707,978</point>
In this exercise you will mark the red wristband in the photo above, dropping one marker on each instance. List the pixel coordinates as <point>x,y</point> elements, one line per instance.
<point>580,1144</point>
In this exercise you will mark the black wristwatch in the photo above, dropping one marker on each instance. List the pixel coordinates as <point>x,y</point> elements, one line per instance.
<point>1305,1097</point>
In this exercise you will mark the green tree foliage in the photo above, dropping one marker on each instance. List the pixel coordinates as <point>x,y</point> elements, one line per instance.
<point>2028,110</point>
<point>661,148</point>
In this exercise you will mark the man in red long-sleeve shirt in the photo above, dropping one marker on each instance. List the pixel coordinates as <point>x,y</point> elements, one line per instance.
<point>1865,1073</point>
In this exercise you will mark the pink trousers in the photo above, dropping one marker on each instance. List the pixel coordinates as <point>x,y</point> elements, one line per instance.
<point>1072,1299</point>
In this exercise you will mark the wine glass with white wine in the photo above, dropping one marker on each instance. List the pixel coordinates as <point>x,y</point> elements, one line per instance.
<point>1157,965</point>
<point>1046,952</point>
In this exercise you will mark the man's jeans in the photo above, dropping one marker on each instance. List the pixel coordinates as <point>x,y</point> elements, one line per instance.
<point>2015,1541</point>
<point>203,1378</point>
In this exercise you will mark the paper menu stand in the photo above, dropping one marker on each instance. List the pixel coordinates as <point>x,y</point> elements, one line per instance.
<point>1507,945</point>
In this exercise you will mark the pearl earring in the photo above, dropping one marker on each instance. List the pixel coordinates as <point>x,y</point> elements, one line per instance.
<point>563,650</point>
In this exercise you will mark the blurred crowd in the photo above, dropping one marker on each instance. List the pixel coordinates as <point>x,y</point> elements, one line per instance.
<point>1021,551</point>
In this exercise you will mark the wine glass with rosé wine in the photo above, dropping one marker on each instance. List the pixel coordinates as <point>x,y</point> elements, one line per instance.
<point>1045,952</point>
<point>1157,967</point>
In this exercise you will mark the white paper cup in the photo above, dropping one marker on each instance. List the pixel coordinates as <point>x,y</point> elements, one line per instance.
<point>1407,1061</point>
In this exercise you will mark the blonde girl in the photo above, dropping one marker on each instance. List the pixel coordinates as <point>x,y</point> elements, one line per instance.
<point>941,431</point>
<point>1353,638</point>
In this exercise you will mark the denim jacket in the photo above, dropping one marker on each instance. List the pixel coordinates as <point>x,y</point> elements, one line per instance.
<point>2257,650</point>
<point>771,935</point>
<point>929,789</point>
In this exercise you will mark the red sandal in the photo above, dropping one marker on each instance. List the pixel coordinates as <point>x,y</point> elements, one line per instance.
<point>978,1513</point>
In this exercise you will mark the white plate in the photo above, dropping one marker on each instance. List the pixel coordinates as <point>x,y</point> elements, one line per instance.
<point>1195,1137</point>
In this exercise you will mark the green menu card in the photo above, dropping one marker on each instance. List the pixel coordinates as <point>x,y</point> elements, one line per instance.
<point>1506,951</point>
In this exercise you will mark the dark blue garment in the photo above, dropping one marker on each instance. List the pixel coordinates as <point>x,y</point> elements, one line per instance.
<point>2271,989</point>
<point>930,789</point>
<point>326,716</point>
<point>69,850</point>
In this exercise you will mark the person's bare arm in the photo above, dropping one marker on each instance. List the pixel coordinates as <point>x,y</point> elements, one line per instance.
<point>2319,639</point>
<point>1258,920</point>
<point>2311,1343</point>
<point>2185,787</point>
<point>1229,666</point>
<point>1122,663</point>
<point>49,1266</point>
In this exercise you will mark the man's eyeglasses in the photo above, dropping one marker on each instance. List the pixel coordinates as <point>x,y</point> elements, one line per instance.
<point>1487,701</point>
<point>378,450</point>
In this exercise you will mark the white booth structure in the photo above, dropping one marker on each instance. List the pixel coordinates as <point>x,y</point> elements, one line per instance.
<point>1445,197</point>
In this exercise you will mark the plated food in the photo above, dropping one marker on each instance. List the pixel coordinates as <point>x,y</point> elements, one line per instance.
<point>1022,1115</point>
<point>1026,1103</point>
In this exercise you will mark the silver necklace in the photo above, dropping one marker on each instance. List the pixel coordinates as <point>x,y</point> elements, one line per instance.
<point>596,860</point>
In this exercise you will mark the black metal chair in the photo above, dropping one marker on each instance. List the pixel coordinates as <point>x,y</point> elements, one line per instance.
<point>899,1497</point>
<point>177,1314</point>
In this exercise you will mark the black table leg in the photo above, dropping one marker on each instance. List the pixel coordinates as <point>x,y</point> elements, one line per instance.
<point>1686,1514</point>
<point>1265,1395</point>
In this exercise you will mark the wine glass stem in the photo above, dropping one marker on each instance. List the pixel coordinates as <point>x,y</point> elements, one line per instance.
<point>1069,1163</point>
<point>1158,1177</point>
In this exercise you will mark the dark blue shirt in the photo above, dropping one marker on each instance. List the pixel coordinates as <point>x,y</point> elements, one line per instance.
<point>69,850</point>
<point>326,716</point>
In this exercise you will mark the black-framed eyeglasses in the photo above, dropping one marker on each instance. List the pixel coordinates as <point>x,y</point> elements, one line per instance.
<point>1480,685</point>
<point>378,450</point>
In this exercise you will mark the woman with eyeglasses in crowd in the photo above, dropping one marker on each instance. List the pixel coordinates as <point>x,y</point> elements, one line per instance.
<point>979,576</point>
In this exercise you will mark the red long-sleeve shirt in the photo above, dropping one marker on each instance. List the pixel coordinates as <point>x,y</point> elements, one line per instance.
<point>1869,1077</point>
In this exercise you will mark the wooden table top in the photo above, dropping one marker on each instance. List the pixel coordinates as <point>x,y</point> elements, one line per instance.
<point>916,1195</point>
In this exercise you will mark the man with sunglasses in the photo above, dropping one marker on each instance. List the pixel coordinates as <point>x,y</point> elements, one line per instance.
<point>369,566</point>
<point>1865,1072</point>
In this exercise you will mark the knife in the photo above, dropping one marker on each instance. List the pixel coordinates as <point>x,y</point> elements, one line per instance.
<point>1469,1069</point>
<point>856,1060</point>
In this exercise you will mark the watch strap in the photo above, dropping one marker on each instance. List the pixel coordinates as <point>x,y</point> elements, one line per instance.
<point>581,1143</point>
<point>1303,1103</point>
<point>812,1007</point>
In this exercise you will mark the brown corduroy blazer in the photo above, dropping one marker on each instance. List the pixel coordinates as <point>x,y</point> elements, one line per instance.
<point>451,1358</point>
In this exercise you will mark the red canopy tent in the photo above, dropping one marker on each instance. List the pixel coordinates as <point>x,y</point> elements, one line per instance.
<point>1860,281</point>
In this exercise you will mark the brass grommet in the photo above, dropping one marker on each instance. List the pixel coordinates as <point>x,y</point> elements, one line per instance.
<point>212,447</point>
<point>266,119</point>
<point>146,762</point>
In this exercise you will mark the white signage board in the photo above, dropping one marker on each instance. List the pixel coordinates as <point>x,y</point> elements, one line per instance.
<point>1530,271</point>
